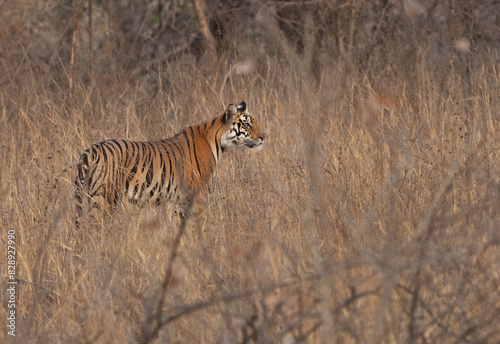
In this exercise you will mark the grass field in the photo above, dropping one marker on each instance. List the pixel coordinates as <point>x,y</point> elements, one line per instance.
<point>371,215</point>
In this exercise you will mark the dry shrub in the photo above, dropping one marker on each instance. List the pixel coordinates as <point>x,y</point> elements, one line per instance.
<point>371,214</point>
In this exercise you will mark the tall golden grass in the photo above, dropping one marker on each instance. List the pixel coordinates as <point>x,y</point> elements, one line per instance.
<point>371,215</point>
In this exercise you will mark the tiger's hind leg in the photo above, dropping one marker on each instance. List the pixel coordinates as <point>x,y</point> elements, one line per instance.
<point>88,202</point>
<point>95,192</point>
<point>90,209</point>
<point>81,185</point>
<point>91,215</point>
<point>81,205</point>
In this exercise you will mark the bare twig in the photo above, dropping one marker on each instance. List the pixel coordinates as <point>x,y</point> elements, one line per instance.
<point>77,13</point>
<point>202,20</point>
<point>91,39</point>
<point>426,229</point>
<point>154,322</point>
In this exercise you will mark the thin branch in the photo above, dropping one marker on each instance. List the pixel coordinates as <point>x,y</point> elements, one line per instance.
<point>154,322</point>
<point>91,39</point>
<point>202,20</point>
<point>77,13</point>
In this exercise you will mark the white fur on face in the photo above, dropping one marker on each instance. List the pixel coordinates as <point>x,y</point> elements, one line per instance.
<point>238,135</point>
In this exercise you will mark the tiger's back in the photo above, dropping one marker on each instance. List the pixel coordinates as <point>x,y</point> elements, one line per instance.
<point>174,169</point>
<point>138,170</point>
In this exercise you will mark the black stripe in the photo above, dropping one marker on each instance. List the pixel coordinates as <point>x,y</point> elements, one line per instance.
<point>170,178</point>
<point>133,171</point>
<point>220,149</point>
<point>144,147</point>
<point>104,165</point>
<point>108,149</point>
<point>128,154</point>
<point>149,175</point>
<point>91,176</point>
<point>213,156</point>
<point>117,144</point>
<point>195,153</point>
<point>104,154</point>
<point>96,192</point>
<point>163,170</point>
<point>189,148</point>
<point>217,148</point>
<point>177,145</point>
<point>111,146</point>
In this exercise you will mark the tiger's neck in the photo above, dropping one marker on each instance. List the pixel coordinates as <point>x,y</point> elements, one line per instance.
<point>213,131</point>
<point>202,151</point>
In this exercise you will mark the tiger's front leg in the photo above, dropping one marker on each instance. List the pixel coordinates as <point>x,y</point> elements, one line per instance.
<point>194,204</point>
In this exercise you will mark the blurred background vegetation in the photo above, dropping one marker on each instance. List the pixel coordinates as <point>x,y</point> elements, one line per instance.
<point>134,40</point>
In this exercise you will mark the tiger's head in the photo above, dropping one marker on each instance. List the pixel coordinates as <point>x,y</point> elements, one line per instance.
<point>242,129</point>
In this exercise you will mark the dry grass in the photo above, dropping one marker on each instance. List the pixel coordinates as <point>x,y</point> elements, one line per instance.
<point>370,216</point>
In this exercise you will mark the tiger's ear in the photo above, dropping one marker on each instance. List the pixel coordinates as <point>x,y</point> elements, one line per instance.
<point>230,114</point>
<point>242,107</point>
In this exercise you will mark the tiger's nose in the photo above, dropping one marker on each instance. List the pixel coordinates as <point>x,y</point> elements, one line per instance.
<point>262,138</point>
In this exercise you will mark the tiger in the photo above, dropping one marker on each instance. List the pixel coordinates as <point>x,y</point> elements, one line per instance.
<point>176,169</point>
